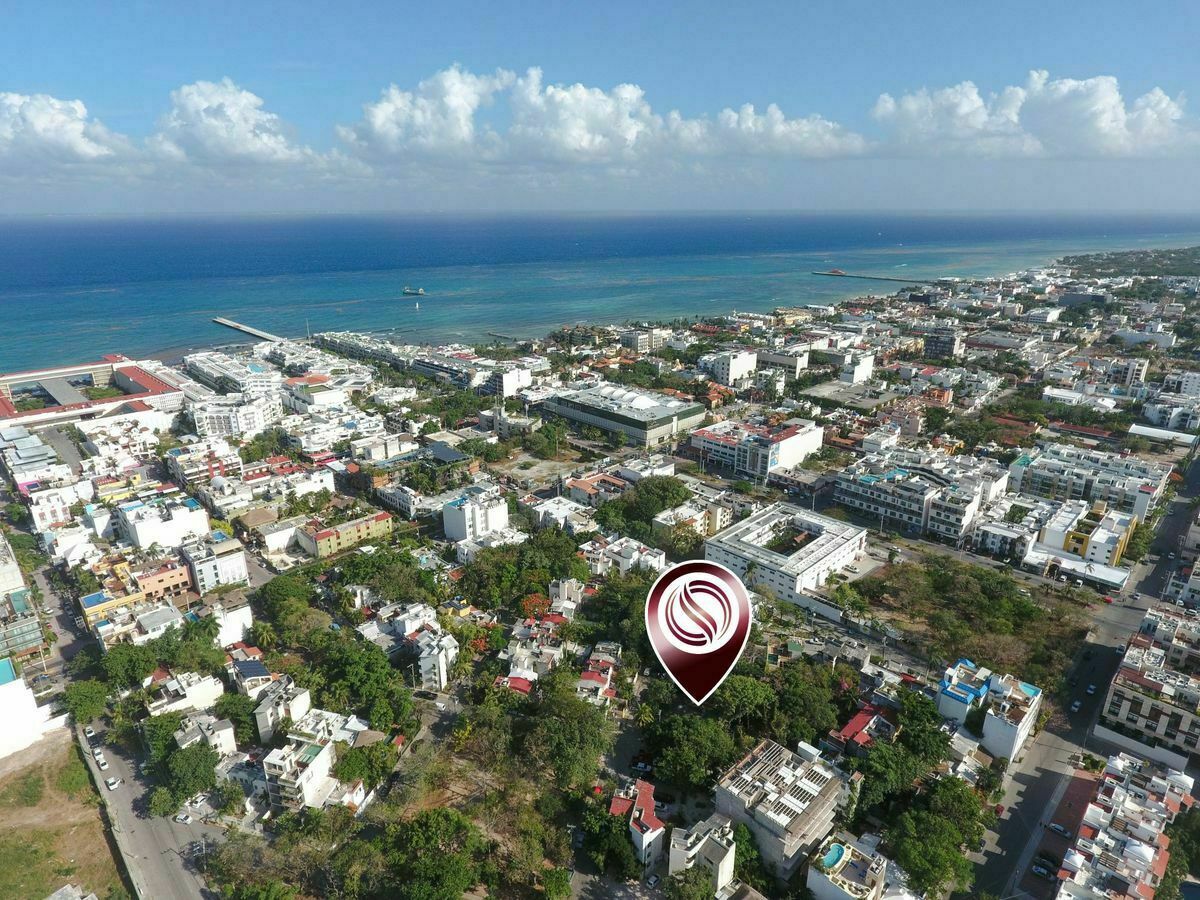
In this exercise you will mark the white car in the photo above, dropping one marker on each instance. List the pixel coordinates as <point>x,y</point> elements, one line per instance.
<point>1091,689</point>
<point>112,783</point>
<point>102,763</point>
<point>652,881</point>
<point>89,731</point>
<point>184,819</point>
<point>1076,705</point>
<point>97,752</point>
<point>441,707</point>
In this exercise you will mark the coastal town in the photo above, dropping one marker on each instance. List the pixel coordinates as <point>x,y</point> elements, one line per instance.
<point>346,616</point>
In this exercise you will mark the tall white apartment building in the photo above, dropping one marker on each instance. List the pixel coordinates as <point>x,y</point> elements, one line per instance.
<point>235,415</point>
<point>731,366</point>
<point>478,512</point>
<point>216,560</point>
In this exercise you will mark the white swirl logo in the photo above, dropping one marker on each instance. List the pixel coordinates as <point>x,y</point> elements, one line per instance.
<point>697,615</point>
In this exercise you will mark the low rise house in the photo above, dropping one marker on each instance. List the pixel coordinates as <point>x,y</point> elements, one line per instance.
<point>184,692</point>
<point>635,803</point>
<point>208,730</point>
<point>1010,705</point>
<point>603,555</point>
<point>282,700</point>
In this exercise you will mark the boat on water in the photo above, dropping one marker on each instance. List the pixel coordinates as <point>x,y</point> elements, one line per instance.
<point>414,292</point>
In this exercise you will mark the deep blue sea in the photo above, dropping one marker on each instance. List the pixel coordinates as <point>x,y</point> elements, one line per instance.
<point>72,289</point>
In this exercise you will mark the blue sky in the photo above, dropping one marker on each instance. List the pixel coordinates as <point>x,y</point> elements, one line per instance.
<point>164,106</point>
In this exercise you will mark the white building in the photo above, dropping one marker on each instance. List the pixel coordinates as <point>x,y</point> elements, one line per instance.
<point>10,572</point>
<point>844,869</point>
<point>480,510</point>
<point>635,803</point>
<point>201,461</point>
<point>1126,483</point>
<point>282,700</point>
<point>206,729</point>
<point>645,418</point>
<point>1120,850</point>
<point>236,416</point>
<point>167,523</point>
<point>757,451</point>
<point>731,367</point>
<point>1012,705</point>
<point>790,360</point>
<point>709,844</point>
<point>436,653</point>
<point>623,554</point>
<point>225,373</point>
<point>858,368</point>
<point>787,549</point>
<point>24,721</point>
<point>186,691</point>
<point>215,561</point>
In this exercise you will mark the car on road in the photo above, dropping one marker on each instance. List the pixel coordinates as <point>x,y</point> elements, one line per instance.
<point>441,707</point>
<point>1061,830</point>
<point>652,881</point>
<point>1043,872</point>
<point>184,819</point>
<point>644,767</point>
<point>1044,859</point>
<point>1171,555</point>
<point>1108,599</point>
<point>1091,689</point>
<point>1119,649</point>
<point>102,763</point>
<point>425,695</point>
<point>89,732</point>
<point>1076,705</point>
<point>97,752</point>
<point>112,783</point>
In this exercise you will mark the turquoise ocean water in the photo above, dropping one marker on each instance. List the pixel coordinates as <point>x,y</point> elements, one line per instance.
<point>74,289</point>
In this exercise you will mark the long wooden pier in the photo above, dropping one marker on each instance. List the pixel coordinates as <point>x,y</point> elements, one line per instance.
<point>247,329</point>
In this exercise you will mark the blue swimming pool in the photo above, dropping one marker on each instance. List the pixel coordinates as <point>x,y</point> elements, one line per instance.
<point>833,856</point>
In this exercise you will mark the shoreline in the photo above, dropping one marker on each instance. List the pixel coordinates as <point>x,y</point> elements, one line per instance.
<point>634,296</point>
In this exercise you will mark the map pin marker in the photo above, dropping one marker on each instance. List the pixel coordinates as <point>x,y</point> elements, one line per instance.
<point>698,620</point>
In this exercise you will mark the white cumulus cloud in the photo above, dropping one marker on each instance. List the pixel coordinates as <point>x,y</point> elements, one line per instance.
<point>439,116</point>
<point>211,123</point>
<point>43,129</point>
<point>1055,117</point>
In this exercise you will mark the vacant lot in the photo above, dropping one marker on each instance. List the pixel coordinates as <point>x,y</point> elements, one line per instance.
<point>51,833</point>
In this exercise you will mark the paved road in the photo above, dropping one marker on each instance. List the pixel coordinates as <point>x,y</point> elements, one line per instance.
<point>1039,779</point>
<point>155,849</point>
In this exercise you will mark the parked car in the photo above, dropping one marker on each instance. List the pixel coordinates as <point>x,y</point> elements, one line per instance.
<point>1043,872</point>
<point>642,767</point>
<point>97,752</point>
<point>1061,830</point>
<point>1171,555</point>
<point>89,732</point>
<point>184,819</point>
<point>441,707</point>
<point>652,881</point>
<point>112,783</point>
<point>998,809</point>
<point>102,764</point>
<point>1091,689</point>
<point>1045,859</point>
<point>1076,706</point>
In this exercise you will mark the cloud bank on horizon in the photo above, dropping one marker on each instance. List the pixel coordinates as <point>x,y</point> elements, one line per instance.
<point>519,126</point>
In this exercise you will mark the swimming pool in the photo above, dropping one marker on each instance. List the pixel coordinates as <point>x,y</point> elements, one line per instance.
<point>833,856</point>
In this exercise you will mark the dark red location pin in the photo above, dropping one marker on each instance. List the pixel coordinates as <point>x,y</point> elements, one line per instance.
<point>698,619</point>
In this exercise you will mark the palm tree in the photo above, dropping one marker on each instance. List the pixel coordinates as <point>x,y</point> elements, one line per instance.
<point>204,629</point>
